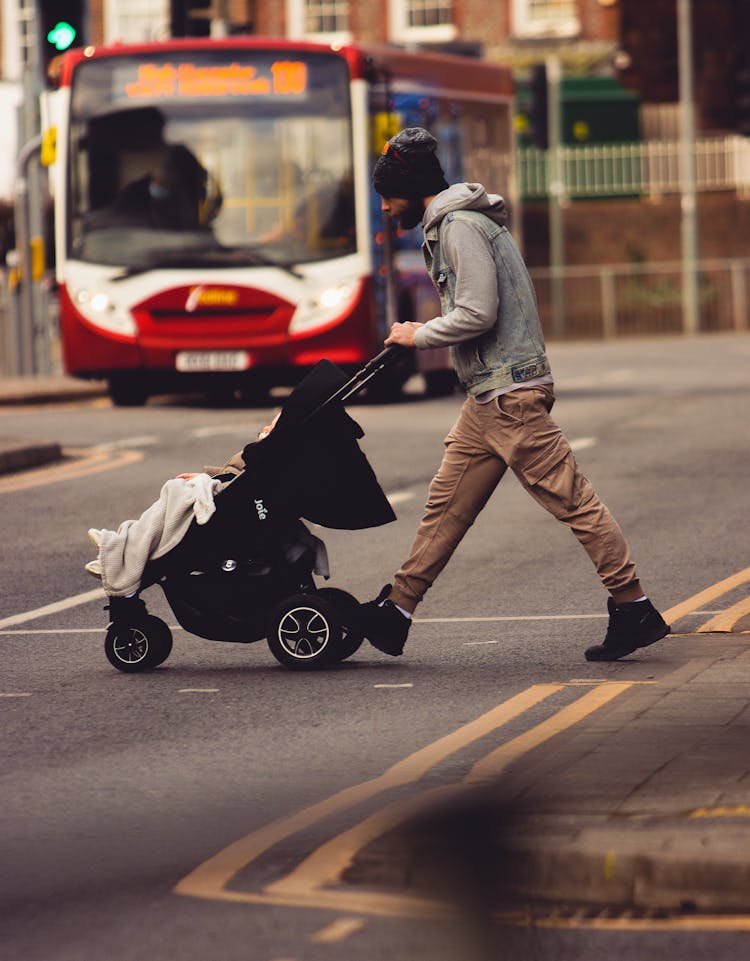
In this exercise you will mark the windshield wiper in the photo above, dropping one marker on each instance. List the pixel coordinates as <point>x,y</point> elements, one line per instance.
<point>212,257</point>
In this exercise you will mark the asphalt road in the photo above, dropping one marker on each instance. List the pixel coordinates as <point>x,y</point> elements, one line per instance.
<point>116,789</point>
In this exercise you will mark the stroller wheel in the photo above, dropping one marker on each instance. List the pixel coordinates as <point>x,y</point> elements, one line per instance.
<point>347,607</point>
<point>138,647</point>
<point>305,631</point>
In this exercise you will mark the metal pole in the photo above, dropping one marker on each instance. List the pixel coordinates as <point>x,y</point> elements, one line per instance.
<point>556,195</point>
<point>23,245</point>
<point>689,233</point>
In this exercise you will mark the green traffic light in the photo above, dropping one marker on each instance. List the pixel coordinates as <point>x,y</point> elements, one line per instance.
<point>62,35</point>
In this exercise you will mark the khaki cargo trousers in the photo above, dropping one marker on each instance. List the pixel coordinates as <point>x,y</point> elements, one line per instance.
<point>515,431</point>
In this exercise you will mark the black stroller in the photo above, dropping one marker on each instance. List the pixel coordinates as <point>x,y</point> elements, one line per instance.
<point>248,573</point>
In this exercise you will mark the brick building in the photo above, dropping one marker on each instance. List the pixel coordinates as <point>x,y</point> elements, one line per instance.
<point>628,37</point>
<point>635,41</point>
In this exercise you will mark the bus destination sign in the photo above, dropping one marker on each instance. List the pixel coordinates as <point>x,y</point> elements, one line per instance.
<point>281,78</point>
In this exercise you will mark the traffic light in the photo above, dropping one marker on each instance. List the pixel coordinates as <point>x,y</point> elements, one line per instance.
<point>61,26</point>
<point>190,18</point>
<point>539,112</point>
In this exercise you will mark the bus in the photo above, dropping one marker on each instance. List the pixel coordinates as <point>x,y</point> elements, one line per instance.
<point>215,224</point>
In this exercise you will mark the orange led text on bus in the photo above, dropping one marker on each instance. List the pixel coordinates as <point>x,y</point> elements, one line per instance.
<point>287,78</point>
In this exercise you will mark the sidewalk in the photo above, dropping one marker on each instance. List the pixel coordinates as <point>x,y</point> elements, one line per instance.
<point>644,806</point>
<point>18,453</point>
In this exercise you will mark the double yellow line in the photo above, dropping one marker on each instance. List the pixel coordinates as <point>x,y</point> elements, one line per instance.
<point>724,621</point>
<point>78,462</point>
<point>309,885</point>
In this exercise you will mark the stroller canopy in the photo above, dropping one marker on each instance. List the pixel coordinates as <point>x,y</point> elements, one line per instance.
<point>312,465</point>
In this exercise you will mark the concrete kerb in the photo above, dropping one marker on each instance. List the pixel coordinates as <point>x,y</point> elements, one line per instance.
<point>17,455</point>
<point>660,867</point>
<point>664,867</point>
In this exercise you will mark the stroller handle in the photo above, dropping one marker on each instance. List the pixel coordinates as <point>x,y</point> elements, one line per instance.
<point>371,369</point>
<point>388,356</point>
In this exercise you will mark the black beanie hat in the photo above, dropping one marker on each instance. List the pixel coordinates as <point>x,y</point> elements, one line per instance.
<point>409,167</point>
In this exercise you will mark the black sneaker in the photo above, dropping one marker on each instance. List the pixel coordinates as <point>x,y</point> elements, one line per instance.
<point>383,624</point>
<point>631,626</point>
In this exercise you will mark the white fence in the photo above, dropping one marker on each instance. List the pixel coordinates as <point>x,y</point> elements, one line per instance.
<point>647,169</point>
<point>628,300</point>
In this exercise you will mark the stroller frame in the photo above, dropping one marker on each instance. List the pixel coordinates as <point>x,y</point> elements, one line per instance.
<point>228,596</point>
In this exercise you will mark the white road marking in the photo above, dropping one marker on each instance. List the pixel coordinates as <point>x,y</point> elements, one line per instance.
<point>55,608</point>
<point>226,429</point>
<point>518,617</point>
<point>392,685</point>
<point>70,630</point>
<point>198,690</point>
<point>338,930</point>
<point>618,376</point>
<point>148,440</point>
<point>15,695</point>
<point>581,443</point>
<point>96,594</point>
<point>399,497</point>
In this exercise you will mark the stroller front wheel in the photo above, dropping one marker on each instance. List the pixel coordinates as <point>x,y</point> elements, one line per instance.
<point>138,647</point>
<point>304,632</point>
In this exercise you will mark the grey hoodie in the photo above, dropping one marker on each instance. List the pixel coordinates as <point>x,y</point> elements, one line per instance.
<point>476,294</point>
<point>489,315</point>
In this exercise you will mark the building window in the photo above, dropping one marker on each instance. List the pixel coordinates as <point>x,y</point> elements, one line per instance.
<point>430,13</point>
<point>421,21</point>
<point>326,16</point>
<point>534,18</point>
<point>136,21</point>
<point>324,20</point>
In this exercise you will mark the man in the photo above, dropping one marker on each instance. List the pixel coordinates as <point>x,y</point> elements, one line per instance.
<point>489,319</point>
<point>169,198</point>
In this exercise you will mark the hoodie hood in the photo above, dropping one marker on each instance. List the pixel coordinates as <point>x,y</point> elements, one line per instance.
<point>465,197</point>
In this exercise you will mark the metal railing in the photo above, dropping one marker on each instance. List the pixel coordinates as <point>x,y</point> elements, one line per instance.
<point>647,169</point>
<point>629,300</point>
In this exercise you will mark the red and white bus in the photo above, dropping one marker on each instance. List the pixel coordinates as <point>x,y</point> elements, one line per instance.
<point>215,222</point>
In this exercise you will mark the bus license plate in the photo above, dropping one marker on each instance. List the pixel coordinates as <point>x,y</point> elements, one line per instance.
<point>192,360</point>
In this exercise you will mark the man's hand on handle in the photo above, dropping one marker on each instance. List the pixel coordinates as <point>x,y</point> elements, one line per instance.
<point>403,334</point>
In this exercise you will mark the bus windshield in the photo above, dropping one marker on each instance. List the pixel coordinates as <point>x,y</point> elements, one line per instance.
<point>227,157</point>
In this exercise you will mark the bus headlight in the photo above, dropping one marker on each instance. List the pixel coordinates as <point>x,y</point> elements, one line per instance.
<point>324,308</point>
<point>100,310</point>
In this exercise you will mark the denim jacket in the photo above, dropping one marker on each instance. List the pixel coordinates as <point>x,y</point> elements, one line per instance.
<point>511,351</point>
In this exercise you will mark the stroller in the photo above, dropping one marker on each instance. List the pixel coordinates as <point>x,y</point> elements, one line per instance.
<point>248,573</point>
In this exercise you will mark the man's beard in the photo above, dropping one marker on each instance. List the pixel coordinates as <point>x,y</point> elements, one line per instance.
<point>412,215</point>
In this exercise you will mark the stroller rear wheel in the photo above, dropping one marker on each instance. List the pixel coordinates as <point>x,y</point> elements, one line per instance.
<point>347,607</point>
<point>138,647</point>
<point>305,631</point>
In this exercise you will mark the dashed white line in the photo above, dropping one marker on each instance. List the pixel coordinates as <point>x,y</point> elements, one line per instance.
<point>515,617</point>
<point>148,440</point>
<point>392,685</point>
<point>338,930</point>
<point>399,497</point>
<point>226,429</point>
<point>581,443</point>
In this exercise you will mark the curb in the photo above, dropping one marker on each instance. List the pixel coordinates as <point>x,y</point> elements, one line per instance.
<point>22,455</point>
<point>666,865</point>
<point>13,395</point>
